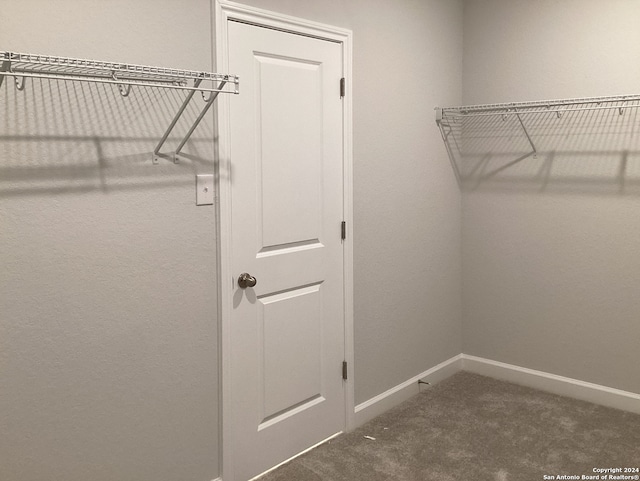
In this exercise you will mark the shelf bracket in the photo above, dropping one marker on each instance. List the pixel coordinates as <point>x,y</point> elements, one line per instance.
<point>526,132</point>
<point>5,67</point>
<point>156,151</point>
<point>183,107</point>
<point>209,103</point>
<point>445,138</point>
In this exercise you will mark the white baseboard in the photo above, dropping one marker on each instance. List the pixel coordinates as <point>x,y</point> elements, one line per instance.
<point>544,381</point>
<point>394,396</point>
<point>564,386</point>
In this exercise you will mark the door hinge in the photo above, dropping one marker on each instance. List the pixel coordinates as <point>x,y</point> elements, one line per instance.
<point>344,370</point>
<point>343,230</point>
<point>343,87</point>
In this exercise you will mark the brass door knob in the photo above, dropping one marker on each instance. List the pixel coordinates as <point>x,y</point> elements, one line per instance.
<point>246,280</point>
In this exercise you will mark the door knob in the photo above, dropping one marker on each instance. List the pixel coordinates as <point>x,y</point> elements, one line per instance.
<point>246,280</point>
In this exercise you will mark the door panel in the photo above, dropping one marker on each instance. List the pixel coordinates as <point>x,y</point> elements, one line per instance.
<point>291,167</point>
<point>287,332</point>
<point>296,314</point>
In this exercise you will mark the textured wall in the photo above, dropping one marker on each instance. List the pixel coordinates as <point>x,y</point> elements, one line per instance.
<point>551,265</point>
<point>107,330</point>
<point>108,335</point>
<point>407,59</point>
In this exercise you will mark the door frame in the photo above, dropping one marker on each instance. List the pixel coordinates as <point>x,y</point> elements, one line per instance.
<point>224,12</point>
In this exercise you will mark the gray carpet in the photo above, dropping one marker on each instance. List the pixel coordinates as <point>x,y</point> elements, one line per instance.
<point>474,428</point>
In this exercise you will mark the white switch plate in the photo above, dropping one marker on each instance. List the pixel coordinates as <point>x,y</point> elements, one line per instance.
<point>204,189</point>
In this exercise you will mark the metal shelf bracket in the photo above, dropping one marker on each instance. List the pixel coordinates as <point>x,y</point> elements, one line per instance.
<point>526,133</point>
<point>208,103</point>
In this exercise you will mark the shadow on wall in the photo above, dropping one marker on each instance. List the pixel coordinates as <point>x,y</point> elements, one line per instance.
<point>60,137</point>
<point>579,150</point>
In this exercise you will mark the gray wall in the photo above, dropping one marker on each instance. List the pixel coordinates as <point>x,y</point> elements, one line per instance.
<point>108,333</point>
<point>551,262</point>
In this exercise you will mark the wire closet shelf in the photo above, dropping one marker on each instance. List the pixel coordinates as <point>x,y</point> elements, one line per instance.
<point>472,122</point>
<point>537,107</point>
<point>125,76</point>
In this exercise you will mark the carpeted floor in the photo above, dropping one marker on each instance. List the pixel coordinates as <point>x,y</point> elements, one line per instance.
<point>474,428</point>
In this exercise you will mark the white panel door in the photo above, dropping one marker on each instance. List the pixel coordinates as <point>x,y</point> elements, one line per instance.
<point>287,332</point>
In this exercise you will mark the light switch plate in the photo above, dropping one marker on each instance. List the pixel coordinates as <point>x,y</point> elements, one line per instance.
<point>204,189</point>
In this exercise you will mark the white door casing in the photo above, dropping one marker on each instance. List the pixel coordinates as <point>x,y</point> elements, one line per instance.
<point>284,172</point>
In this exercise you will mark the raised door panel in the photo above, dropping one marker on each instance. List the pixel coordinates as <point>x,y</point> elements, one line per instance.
<point>290,156</point>
<point>292,371</point>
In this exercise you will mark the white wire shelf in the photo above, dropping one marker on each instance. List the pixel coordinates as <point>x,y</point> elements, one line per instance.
<point>483,130</point>
<point>125,76</point>
<point>539,106</point>
<point>47,66</point>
